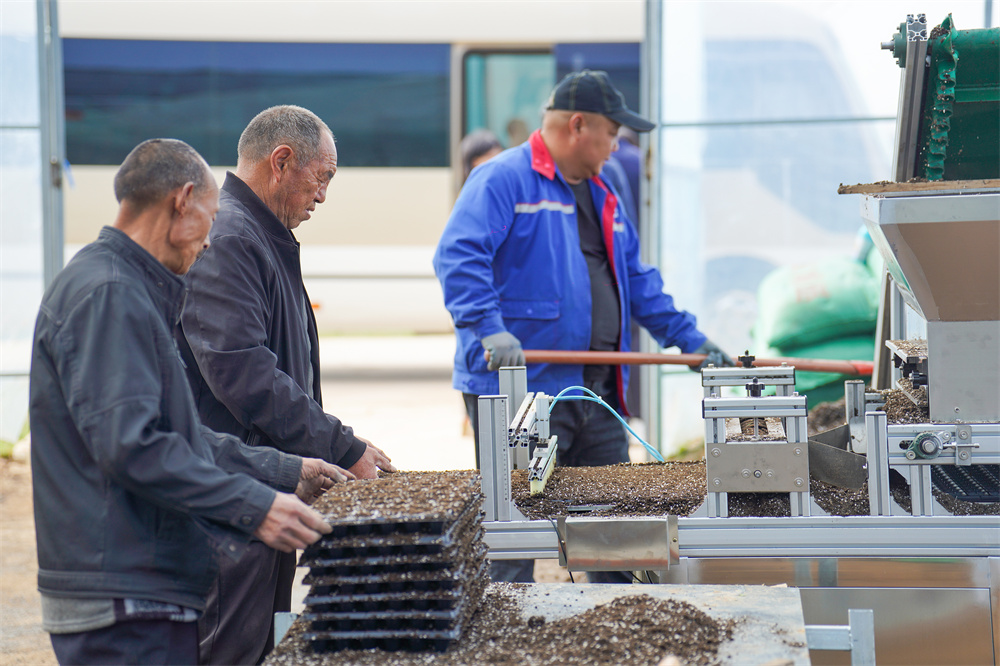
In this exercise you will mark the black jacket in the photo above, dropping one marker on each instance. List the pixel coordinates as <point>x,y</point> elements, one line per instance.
<point>250,339</point>
<point>128,489</point>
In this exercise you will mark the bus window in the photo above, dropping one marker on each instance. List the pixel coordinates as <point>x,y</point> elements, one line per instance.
<point>387,104</point>
<point>619,59</point>
<point>505,91</point>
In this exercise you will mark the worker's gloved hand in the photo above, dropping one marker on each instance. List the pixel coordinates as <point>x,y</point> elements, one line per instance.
<point>502,350</point>
<point>714,356</point>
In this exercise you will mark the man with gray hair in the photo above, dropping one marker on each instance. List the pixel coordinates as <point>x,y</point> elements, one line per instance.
<point>131,492</point>
<point>250,339</point>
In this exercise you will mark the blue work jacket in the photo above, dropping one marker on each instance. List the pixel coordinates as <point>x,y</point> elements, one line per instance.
<point>510,260</point>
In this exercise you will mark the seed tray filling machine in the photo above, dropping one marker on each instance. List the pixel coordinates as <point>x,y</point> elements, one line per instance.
<point>932,578</point>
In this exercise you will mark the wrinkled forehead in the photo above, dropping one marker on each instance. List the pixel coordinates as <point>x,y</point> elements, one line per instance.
<point>325,164</point>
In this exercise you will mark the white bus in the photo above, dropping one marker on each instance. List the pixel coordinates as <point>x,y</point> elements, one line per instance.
<point>399,83</point>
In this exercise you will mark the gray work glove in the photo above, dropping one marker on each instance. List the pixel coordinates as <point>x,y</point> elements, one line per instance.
<point>504,350</point>
<point>715,356</point>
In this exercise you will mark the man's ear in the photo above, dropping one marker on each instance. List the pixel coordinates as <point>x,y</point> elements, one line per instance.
<point>281,158</point>
<point>183,197</point>
<point>576,123</point>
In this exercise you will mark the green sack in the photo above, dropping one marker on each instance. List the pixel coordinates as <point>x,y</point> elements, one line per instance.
<point>806,304</point>
<point>854,348</point>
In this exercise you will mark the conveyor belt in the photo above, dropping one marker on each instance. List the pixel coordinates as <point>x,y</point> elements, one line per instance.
<point>973,483</point>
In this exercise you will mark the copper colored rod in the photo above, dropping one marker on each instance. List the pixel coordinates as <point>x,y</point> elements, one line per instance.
<point>639,358</point>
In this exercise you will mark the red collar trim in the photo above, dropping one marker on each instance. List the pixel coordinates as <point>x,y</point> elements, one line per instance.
<point>541,158</point>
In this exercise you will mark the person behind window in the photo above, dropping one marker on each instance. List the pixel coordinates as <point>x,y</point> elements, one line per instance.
<point>517,132</point>
<point>476,148</point>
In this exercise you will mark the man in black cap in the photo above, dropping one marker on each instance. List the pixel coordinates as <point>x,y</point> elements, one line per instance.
<point>539,252</point>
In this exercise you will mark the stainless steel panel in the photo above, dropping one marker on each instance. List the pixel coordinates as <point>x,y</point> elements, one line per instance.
<point>941,251</point>
<point>963,368</point>
<point>913,626</point>
<point>994,573</point>
<point>626,544</point>
<point>772,467</point>
<point>837,572</point>
<point>927,611</point>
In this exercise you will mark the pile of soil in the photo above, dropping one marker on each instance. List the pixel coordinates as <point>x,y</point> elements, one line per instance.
<point>899,408</point>
<point>827,416</point>
<point>635,629</point>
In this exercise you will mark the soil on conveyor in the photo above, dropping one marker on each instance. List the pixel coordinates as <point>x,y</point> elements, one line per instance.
<point>679,488</point>
<point>636,629</point>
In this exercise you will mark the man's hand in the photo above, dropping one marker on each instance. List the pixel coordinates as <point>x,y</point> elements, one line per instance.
<point>290,524</point>
<point>503,350</point>
<point>373,460</point>
<point>317,477</point>
<point>714,356</point>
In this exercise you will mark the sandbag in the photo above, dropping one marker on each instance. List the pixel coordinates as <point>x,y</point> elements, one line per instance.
<point>811,303</point>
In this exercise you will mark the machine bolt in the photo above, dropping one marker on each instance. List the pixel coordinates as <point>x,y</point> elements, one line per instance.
<point>716,482</point>
<point>964,455</point>
<point>963,433</point>
<point>716,453</point>
<point>745,473</point>
<point>799,482</point>
<point>910,454</point>
<point>770,474</point>
<point>757,474</point>
<point>957,410</point>
<point>798,451</point>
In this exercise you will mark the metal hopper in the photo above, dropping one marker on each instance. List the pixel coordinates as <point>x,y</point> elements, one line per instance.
<point>943,251</point>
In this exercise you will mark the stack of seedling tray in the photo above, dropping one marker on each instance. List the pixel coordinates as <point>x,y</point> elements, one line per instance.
<point>405,566</point>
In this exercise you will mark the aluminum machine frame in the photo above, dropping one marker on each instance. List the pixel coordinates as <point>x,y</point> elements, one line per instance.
<point>931,578</point>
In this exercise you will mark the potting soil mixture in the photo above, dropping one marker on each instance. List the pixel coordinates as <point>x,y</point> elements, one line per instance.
<point>679,488</point>
<point>404,567</point>
<point>635,629</point>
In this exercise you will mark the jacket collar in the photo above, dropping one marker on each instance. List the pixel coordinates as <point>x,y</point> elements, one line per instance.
<point>163,286</point>
<point>541,158</point>
<point>239,190</point>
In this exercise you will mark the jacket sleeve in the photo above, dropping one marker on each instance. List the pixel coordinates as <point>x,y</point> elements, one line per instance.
<point>651,306</point>
<point>463,262</point>
<point>110,360</point>
<point>225,321</point>
<point>279,470</point>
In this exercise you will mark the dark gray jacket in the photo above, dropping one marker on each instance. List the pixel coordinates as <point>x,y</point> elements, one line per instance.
<point>129,488</point>
<point>249,336</point>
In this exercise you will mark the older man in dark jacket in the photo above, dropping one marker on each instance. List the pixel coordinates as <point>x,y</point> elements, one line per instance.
<point>131,491</point>
<point>253,352</point>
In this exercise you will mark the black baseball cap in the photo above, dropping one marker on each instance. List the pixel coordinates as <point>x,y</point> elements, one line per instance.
<point>590,90</point>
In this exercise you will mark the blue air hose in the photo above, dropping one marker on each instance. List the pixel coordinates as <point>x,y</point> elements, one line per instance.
<point>593,397</point>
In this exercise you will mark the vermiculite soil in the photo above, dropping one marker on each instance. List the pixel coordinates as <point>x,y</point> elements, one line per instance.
<point>636,629</point>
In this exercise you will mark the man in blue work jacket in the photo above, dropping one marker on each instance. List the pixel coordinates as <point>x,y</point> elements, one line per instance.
<point>539,252</point>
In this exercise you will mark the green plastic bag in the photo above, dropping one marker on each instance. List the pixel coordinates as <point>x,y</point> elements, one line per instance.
<point>819,386</point>
<point>807,304</point>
